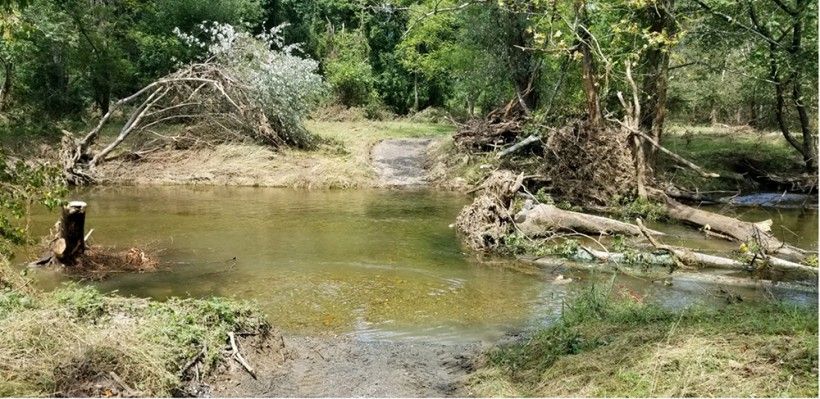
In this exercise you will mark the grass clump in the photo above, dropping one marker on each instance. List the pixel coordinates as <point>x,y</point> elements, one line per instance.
<point>607,346</point>
<point>70,342</point>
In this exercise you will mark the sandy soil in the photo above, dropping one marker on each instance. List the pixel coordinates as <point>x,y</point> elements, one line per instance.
<point>241,165</point>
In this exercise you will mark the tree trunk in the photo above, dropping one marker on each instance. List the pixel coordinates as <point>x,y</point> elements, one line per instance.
<point>589,74</point>
<point>736,229</point>
<point>656,75</point>
<point>544,219</point>
<point>71,242</point>
<point>415,92</point>
<point>809,147</point>
<point>523,64</point>
<point>5,90</point>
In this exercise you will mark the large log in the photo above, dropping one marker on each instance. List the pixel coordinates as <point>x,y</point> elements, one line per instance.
<point>543,219</point>
<point>71,242</point>
<point>697,259</point>
<point>739,230</point>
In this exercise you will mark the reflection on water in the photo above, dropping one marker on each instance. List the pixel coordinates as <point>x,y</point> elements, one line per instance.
<point>378,264</point>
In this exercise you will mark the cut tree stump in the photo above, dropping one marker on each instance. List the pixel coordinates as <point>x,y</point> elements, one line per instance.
<point>71,241</point>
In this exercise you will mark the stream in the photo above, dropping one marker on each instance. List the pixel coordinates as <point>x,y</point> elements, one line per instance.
<point>371,265</point>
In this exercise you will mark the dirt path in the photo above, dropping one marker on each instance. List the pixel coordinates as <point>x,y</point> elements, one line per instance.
<point>400,162</point>
<point>344,367</point>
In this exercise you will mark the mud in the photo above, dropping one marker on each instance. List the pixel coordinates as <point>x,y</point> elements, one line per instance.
<point>309,366</point>
<point>400,162</point>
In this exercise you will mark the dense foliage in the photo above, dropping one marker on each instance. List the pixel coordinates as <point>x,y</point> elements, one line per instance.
<point>23,185</point>
<point>705,61</point>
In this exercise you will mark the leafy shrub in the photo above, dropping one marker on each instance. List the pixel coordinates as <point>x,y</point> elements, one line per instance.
<point>24,184</point>
<point>348,70</point>
<point>269,77</point>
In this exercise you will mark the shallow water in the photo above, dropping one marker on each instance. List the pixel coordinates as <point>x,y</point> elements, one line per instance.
<point>373,264</point>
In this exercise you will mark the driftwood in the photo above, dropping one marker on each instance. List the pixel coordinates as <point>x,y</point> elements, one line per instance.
<point>759,233</point>
<point>542,219</point>
<point>238,356</point>
<point>521,144</point>
<point>693,258</point>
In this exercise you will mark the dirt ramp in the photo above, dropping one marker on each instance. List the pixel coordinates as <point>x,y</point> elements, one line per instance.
<point>345,367</point>
<point>400,162</point>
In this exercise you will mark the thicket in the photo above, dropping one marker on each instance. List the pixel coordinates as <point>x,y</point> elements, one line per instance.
<point>709,61</point>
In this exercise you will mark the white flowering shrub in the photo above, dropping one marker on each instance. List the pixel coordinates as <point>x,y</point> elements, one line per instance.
<point>272,78</point>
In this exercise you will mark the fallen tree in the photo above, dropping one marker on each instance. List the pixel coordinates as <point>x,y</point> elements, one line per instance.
<point>241,89</point>
<point>492,219</point>
<point>758,233</point>
<point>543,219</point>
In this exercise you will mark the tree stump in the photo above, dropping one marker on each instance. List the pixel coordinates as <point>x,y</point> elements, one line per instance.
<point>71,242</point>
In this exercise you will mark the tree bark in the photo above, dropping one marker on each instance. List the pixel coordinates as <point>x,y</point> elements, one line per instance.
<point>5,90</point>
<point>736,229</point>
<point>656,75</point>
<point>589,75</point>
<point>71,242</point>
<point>543,219</point>
<point>809,147</point>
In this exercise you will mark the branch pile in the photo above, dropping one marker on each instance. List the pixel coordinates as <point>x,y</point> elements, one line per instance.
<point>499,128</point>
<point>242,89</point>
<point>202,94</point>
<point>590,163</point>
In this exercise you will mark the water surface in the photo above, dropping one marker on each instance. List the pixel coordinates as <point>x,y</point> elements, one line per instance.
<point>374,264</point>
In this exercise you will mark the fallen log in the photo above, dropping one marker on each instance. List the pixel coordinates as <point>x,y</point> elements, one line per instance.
<point>694,259</point>
<point>523,143</point>
<point>543,219</point>
<point>759,233</point>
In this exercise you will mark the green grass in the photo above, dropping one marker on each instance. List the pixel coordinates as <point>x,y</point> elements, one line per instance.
<point>727,152</point>
<point>608,346</point>
<point>63,342</point>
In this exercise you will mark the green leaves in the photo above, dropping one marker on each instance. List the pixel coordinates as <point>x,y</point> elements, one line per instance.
<point>23,185</point>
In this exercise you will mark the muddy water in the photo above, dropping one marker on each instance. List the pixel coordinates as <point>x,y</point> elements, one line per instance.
<point>368,264</point>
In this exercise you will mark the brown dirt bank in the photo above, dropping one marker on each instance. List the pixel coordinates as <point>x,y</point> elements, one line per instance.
<point>345,160</point>
<point>239,165</point>
<point>305,366</point>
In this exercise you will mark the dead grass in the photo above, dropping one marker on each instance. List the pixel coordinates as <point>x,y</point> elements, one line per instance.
<point>98,262</point>
<point>617,349</point>
<point>342,161</point>
<point>78,342</point>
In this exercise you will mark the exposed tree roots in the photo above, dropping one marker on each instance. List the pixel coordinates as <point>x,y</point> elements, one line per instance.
<point>489,218</point>
<point>590,164</point>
